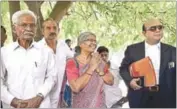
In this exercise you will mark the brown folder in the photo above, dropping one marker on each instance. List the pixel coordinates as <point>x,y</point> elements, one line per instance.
<point>144,68</point>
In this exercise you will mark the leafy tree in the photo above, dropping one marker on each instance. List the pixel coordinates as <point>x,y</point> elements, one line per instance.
<point>116,24</point>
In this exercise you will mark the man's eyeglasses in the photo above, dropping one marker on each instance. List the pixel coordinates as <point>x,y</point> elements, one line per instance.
<point>24,25</point>
<point>154,28</point>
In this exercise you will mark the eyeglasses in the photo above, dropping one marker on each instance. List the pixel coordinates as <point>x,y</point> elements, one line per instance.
<point>24,25</point>
<point>91,40</point>
<point>154,28</point>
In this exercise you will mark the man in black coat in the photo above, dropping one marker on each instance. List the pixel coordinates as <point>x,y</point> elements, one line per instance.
<point>163,58</point>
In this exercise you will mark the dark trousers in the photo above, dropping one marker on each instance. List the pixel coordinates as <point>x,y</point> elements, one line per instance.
<point>150,100</point>
<point>1,105</point>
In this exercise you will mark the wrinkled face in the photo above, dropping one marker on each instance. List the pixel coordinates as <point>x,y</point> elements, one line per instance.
<point>89,45</point>
<point>3,37</point>
<point>153,32</point>
<point>104,56</point>
<point>26,28</point>
<point>50,30</point>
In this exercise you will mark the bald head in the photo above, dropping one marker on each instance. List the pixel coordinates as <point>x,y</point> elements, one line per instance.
<point>151,22</point>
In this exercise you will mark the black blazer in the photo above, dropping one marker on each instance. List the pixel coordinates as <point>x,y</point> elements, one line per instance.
<point>167,76</point>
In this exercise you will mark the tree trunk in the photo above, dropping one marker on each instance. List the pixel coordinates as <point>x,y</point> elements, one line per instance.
<point>35,6</point>
<point>13,7</point>
<point>60,10</point>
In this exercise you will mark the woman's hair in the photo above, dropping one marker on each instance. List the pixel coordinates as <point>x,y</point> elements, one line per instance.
<point>82,37</point>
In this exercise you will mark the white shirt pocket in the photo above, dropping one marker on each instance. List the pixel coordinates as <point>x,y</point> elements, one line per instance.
<point>39,70</point>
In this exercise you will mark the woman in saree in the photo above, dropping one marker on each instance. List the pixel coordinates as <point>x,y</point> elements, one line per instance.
<point>87,73</point>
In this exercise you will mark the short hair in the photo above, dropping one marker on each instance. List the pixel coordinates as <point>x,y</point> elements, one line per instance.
<point>3,28</point>
<point>18,14</point>
<point>83,36</point>
<point>102,49</point>
<point>68,40</point>
<point>49,19</point>
<point>143,28</point>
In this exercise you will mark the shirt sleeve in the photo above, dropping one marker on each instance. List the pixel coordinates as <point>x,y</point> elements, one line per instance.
<point>71,70</point>
<point>6,97</point>
<point>69,52</point>
<point>50,77</point>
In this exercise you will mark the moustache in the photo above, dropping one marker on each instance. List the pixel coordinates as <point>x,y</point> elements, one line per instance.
<point>52,34</point>
<point>29,33</point>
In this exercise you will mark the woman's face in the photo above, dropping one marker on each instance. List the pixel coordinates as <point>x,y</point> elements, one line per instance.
<point>89,44</point>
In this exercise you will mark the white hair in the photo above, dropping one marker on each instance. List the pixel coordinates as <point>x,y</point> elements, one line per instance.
<point>16,16</point>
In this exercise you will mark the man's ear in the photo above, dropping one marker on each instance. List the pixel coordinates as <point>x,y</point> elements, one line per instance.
<point>13,29</point>
<point>143,33</point>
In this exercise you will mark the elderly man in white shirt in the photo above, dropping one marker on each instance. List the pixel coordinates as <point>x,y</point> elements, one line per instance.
<point>61,51</point>
<point>28,74</point>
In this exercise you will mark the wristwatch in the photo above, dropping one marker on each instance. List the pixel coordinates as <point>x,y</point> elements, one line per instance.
<point>41,95</point>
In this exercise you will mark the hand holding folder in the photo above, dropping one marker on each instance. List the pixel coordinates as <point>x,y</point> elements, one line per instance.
<point>144,68</point>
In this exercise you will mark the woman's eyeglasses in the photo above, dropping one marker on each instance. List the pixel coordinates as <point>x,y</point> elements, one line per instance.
<point>154,28</point>
<point>91,40</point>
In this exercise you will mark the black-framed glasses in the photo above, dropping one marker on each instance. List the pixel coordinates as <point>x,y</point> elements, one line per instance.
<point>154,28</point>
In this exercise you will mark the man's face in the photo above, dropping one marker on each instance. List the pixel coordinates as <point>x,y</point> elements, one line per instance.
<point>104,56</point>
<point>3,37</point>
<point>26,28</point>
<point>50,30</point>
<point>153,32</point>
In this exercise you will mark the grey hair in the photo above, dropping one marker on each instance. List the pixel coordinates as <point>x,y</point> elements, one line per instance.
<point>18,14</point>
<point>83,36</point>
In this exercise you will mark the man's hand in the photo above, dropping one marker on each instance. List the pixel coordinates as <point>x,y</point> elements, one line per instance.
<point>34,102</point>
<point>18,103</point>
<point>134,85</point>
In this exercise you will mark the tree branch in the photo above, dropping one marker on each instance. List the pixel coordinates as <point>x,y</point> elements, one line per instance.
<point>60,9</point>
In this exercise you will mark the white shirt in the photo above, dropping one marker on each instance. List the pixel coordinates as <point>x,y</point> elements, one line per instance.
<point>26,73</point>
<point>62,54</point>
<point>153,51</point>
<point>113,93</point>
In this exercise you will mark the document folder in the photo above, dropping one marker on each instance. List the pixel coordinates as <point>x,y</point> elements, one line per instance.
<point>144,68</point>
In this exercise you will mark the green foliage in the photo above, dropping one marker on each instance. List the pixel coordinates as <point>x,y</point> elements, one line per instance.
<point>116,24</point>
<point>46,8</point>
<point>5,16</point>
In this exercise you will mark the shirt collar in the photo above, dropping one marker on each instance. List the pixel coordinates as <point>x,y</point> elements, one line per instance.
<point>148,45</point>
<point>44,41</point>
<point>45,44</point>
<point>16,45</point>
